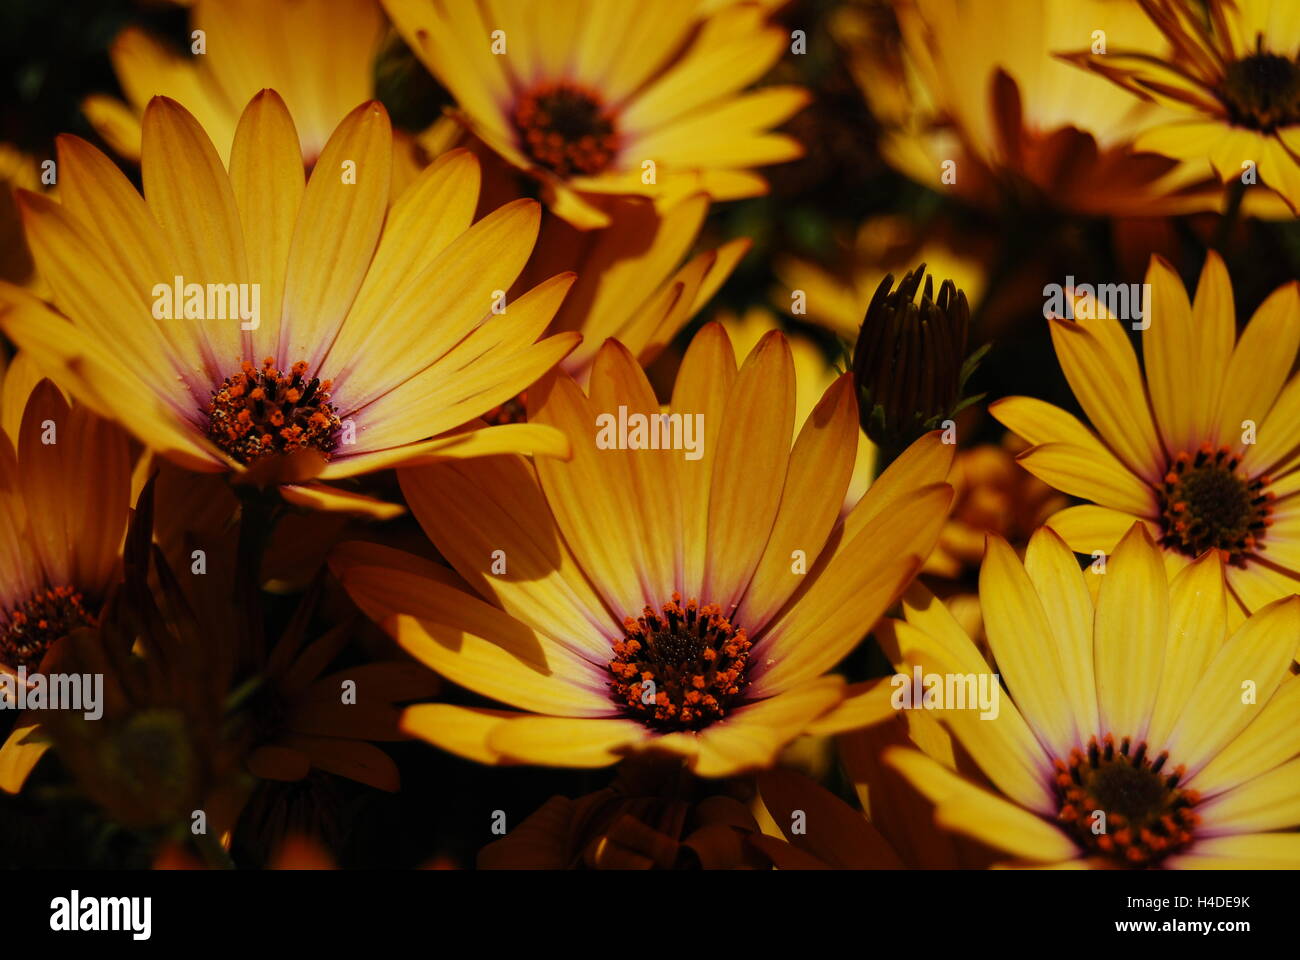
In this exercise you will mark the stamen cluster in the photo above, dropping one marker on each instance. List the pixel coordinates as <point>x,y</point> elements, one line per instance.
<point>29,629</point>
<point>1146,815</point>
<point>566,129</point>
<point>1205,504</point>
<point>679,669</point>
<point>258,412</point>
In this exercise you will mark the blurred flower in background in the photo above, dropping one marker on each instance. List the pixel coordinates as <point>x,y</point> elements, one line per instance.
<point>237,49</point>
<point>65,492</point>
<point>839,299</point>
<point>1000,120</point>
<point>628,104</point>
<point>1232,73</point>
<point>18,171</point>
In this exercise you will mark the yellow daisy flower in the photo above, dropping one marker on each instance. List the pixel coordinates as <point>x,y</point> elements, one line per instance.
<point>1138,730</point>
<point>594,97</point>
<point>65,488</point>
<point>1203,448</point>
<point>375,331</point>
<point>639,599</point>
<point>999,116</point>
<point>1232,73</point>
<point>245,48</point>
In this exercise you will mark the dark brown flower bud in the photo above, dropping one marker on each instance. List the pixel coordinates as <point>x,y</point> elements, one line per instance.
<point>910,365</point>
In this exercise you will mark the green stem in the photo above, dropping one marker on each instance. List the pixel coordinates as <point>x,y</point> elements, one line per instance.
<point>257,517</point>
<point>258,513</point>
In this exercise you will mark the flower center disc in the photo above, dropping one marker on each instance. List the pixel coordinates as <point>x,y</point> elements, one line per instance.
<point>1146,816</point>
<point>679,669</point>
<point>566,129</point>
<point>1206,505</point>
<point>1263,92</point>
<point>29,629</point>
<point>258,412</point>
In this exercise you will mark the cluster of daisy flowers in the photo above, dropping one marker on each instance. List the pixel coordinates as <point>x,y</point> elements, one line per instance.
<point>386,505</point>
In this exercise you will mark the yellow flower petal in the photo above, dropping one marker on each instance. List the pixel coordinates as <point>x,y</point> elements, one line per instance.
<point>1198,626</point>
<point>1179,349</point>
<point>1026,648</point>
<point>484,441</point>
<point>565,741</point>
<point>845,593</point>
<point>1258,654</point>
<point>1272,738</point>
<point>17,758</point>
<point>1067,605</point>
<point>618,383</point>
<point>1090,473</point>
<point>1088,529</point>
<point>703,386</point>
<point>478,646</point>
<point>1004,746</point>
<point>1269,802</point>
<point>752,736</point>
<point>588,495</point>
<point>1260,365</point>
<point>821,465</point>
<point>1040,422</point>
<point>334,239</point>
<point>1133,603</point>
<point>1244,851</point>
<point>463,731</point>
<point>319,496</point>
<point>472,509</point>
<point>963,807</point>
<point>1102,369</point>
<point>189,192</point>
<point>749,469</point>
<point>267,179</point>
